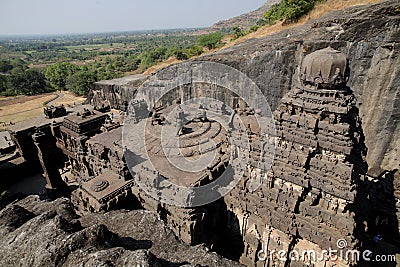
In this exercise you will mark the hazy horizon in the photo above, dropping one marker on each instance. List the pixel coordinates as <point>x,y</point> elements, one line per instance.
<point>47,17</point>
<point>27,35</point>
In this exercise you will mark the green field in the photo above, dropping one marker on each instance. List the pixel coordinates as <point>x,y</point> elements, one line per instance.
<point>89,47</point>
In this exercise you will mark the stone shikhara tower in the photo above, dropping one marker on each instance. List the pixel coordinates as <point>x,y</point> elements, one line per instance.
<point>310,195</point>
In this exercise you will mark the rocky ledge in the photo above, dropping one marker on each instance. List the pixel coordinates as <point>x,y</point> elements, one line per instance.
<point>35,232</point>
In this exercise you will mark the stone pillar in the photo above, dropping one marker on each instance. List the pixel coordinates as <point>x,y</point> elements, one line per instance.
<point>55,186</point>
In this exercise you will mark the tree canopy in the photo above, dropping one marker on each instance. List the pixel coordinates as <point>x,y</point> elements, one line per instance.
<point>29,82</point>
<point>58,73</point>
<point>238,32</point>
<point>211,41</point>
<point>81,81</point>
<point>17,79</point>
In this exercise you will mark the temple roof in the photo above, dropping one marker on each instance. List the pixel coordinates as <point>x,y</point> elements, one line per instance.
<point>326,66</point>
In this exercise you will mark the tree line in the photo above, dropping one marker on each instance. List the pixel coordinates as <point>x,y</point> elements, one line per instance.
<point>17,78</point>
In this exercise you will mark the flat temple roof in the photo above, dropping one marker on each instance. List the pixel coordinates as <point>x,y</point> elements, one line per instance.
<point>127,80</point>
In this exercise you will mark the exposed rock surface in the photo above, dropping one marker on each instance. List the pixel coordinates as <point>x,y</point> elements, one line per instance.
<point>35,232</point>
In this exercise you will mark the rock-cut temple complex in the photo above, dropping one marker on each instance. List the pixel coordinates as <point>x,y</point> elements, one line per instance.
<point>315,193</point>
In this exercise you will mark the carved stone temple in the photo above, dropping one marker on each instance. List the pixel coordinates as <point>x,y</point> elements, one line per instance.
<point>310,195</point>
<point>315,193</point>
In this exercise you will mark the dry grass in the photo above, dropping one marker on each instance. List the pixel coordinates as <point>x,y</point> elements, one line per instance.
<point>21,108</point>
<point>69,99</point>
<point>24,109</point>
<point>161,65</point>
<point>5,101</point>
<point>319,11</point>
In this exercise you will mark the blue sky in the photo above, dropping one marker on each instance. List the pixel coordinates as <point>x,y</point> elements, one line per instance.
<point>83,16</point>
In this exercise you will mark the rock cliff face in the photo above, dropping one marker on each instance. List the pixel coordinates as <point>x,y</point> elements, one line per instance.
<point>114,93</point>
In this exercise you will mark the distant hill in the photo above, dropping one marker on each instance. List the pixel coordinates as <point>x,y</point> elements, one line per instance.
<point>244,21</point>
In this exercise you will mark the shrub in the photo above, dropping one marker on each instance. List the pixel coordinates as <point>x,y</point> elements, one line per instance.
<point>195,50</point>
<point>254,28</point>
<point>181,55</point>
<point>289,10</point>
<point>238,32</point>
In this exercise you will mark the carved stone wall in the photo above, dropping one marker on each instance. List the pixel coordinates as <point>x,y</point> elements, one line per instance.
<point>115,93</point>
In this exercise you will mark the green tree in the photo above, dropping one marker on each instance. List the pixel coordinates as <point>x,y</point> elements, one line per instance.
<point>19,63</point>
<point>5,66</point>
<point>261,22</point>
<point>18,66</point>
<point>29,82</point>
<point>81,81</point>
<point>211,41</point>
<point>180,55</point>
<point>195,50</point>
<point>275,13</point>
<point>3,83</point>
<point>150,58</point>
<point>103,73</point>
<point>289,10</point>
<point>58,73</point>
<point>146,61</point>
<point>254,28</point>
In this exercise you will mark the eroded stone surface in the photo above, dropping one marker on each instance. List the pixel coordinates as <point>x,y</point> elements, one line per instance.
<point>49,233</point>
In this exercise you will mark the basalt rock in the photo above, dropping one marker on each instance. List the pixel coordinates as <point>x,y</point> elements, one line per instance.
<point>38,232</point>
<point>114,93</point>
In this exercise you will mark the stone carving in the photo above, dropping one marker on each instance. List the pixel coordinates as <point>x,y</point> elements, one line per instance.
<point>312,181</point>
<point>100,185</point>
<point>324,68</point>
<point>55,112</point>
<point>55,186</point>
<point>138,110</point>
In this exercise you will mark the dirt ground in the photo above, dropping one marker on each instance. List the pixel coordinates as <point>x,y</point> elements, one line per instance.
<point>6,101</point>
<point>20,108</point>
<point>69,99</point>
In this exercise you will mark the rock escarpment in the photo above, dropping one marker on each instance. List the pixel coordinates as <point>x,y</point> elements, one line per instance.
<point>114,93</point>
